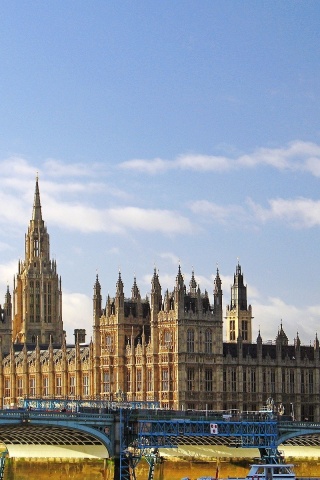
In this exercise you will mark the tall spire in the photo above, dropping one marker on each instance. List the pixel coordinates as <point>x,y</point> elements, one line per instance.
<point>36,213</point>
<point>37,292</point>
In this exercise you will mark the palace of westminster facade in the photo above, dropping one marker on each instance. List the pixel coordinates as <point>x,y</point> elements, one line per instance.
<point>167,347</point>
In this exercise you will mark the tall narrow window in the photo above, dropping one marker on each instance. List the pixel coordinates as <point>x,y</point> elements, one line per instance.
<point>45,385</point>
<point>139,380</point>
<point>35,247</point>
<point>58,386</point>
<point>149,380</point>
<point>190,379</point>
<point>273,380</point>
<point>49,303</point>
<point>128,379</point>
<point>232,326</point>
<point>31,306</point>
<point>20,386</point>
<point>233,380</point>
<point>37,303</point>
<point>165,380</point>
<point>167,339</point>
<point>283,382</point>
<point>72,385</point>
<point>7,387</point>
<point>244,329</point>
<point>310,384</point>
<point>106,382</point>
<point>208,383</point>
<point>109,342</point>
<point>208,341</point>
<point>291,381</point>
<point>253,381</point>
<point>244,380</point>
<point>85,384</point>
<point>190,341</point>
<point>302,382</point>
<point>32,386</point>
<point>224,382</point>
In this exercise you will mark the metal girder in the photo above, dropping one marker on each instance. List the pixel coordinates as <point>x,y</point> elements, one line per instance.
<point>165,433</point>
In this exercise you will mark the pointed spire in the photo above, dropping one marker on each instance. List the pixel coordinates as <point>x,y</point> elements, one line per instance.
<point>217,282</point>
<point>193,283</point>
<point>259,338</point>
<point>97,283</point>
<point>119,284</point>
<point>36,213</point>
<point>135,293</point>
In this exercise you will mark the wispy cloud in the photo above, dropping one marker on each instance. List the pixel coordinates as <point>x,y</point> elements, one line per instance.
<point>296,156</point>
<point>56,168</point>
<point>79,214</point>
<point>116,220</point>
<point>297,212</point>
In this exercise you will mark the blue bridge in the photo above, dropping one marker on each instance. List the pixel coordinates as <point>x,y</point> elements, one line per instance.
<point>127,432</point>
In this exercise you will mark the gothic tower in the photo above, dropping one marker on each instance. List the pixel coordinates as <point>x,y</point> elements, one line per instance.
<point>239,315</point>
<point>37,301</point>
<point>6,323</point>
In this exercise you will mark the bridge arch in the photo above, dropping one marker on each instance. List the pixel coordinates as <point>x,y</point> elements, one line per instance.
<point>51,439</point>
<point>283,437</point>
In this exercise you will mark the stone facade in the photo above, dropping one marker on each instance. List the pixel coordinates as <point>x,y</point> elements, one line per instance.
<point>167,347</point>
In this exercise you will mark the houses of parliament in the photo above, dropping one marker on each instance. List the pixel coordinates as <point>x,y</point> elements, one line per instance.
<point>167,347</point>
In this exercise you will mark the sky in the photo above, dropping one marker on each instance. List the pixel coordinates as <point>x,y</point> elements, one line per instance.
<point>166,133</point>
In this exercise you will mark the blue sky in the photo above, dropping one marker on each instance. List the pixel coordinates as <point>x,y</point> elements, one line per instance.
<point>166,132</point>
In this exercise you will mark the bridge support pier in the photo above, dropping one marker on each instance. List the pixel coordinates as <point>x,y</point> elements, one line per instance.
<point>3,457</point>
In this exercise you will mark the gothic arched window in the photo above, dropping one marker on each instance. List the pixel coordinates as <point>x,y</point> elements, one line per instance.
<point>109,342</point>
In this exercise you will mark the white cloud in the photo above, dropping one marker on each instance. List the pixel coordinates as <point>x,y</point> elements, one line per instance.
<point>76,313</point>
<point>297,212</point>
<point>203,163</point>
<point>268,317</point>
<point>155,166</point>
<point>7,273</point>
<point>155,220</point>
<point>17,196</point>
<point>56,168</point>
<point>300,212</point>
<point>116,220</point>
<point>296,156</point>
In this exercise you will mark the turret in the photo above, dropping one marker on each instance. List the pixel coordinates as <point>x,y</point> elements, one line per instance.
<point>119,294</point>
<point>239,315</point>
<point>6,322</point>
<point>217,294</point>
<point>156,297</point>
<point>136,297</point>
<point>179,291</point>
<point>97,302</point>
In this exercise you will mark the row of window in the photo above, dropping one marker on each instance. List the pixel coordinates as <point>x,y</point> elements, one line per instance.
<point>35,302</point>
<point>166,380</point>
<point>288,383</point>
<point>167,340</point>
<point>58,387</point>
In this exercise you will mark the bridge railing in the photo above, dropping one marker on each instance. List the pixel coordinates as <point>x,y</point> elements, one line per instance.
<point>55,415</point>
